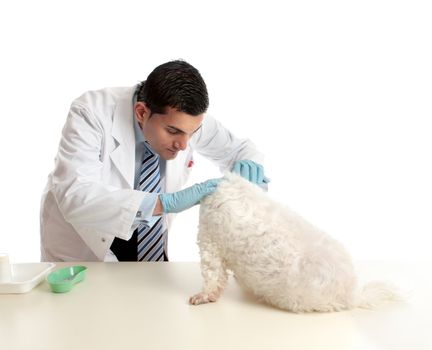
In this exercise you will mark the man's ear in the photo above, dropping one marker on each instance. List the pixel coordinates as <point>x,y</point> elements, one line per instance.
<point>142,113</point>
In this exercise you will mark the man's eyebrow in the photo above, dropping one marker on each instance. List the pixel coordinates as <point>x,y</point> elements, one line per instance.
<point>180,130</point>
<point>197,129</point>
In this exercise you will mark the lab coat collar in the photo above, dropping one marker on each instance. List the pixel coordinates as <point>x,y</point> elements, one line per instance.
<point>123,132</point>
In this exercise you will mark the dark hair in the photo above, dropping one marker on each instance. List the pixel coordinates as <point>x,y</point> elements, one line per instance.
<point>175,84</point>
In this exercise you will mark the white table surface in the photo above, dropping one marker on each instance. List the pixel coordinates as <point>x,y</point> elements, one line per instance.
<point>145,306</point>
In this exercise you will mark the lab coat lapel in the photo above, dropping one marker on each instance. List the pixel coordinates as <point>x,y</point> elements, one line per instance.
<point>123,157</point>
<point>172,182</point>
<point>176,171</point>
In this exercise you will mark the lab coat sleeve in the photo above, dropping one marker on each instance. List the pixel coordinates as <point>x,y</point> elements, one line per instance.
<point>218,144</point>
<point>87,201</point>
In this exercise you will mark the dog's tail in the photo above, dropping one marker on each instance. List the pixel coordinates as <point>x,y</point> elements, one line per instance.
<point>376,293</point>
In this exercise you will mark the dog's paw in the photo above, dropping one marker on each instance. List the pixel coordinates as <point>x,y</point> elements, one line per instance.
<point>203,298</point>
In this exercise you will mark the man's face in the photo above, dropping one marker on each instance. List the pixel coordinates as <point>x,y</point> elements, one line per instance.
<point>168,133</point>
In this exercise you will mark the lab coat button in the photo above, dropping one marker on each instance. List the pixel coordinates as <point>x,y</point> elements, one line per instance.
<point>103,239</point>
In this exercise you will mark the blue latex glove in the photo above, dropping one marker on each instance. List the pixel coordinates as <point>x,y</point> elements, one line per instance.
<point>251,171</point>
<point>184,199</point>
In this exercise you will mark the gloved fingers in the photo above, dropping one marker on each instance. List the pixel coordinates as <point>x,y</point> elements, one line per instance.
<point>237,168</point>
<point>253,171</point>
<point>257,172</point>
<point>261,176</point>
<point>181,200</point>
<point>242,168</point>
<point>250,171</point>
<point>214,182</point>
<point>245,170</point>
<point>211,182</point>
<point>209,186</point>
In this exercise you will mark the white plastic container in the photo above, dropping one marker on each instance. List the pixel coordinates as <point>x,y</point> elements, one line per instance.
<point>5,269</point>
<point>25,276</point>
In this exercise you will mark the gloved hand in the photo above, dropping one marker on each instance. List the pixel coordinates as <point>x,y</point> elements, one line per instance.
<point>184,199</point>
<point>251,171</point>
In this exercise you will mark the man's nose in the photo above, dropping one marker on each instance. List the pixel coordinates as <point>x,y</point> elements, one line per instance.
<point>181,143</point>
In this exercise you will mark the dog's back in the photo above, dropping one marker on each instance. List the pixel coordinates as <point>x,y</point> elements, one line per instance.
<point>275,253</point>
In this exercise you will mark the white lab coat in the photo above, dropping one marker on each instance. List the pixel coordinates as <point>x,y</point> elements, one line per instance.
<point>89,198</point>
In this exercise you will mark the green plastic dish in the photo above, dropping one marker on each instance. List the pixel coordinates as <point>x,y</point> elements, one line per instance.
<point>62,280</point>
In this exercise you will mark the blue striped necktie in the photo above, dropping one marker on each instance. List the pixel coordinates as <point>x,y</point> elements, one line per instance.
<point>150,236</point>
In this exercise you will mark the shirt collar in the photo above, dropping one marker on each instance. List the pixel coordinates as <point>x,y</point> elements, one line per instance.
<point>140,140</point>
<point>139,136</point>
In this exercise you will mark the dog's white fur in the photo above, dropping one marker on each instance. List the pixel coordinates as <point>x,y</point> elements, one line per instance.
<point>275,254</point>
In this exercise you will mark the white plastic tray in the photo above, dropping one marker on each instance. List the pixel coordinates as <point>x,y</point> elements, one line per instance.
<point>25,277</point>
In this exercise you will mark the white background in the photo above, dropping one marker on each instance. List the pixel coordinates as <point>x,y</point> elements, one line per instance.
<point>337,94</point>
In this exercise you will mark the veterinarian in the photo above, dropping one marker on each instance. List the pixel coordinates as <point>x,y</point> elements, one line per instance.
<point>124,155</point>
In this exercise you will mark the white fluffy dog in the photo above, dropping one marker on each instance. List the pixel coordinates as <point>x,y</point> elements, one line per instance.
<point>275,254</point>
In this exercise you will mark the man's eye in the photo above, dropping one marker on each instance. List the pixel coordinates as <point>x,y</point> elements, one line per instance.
<point>171,131</point>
